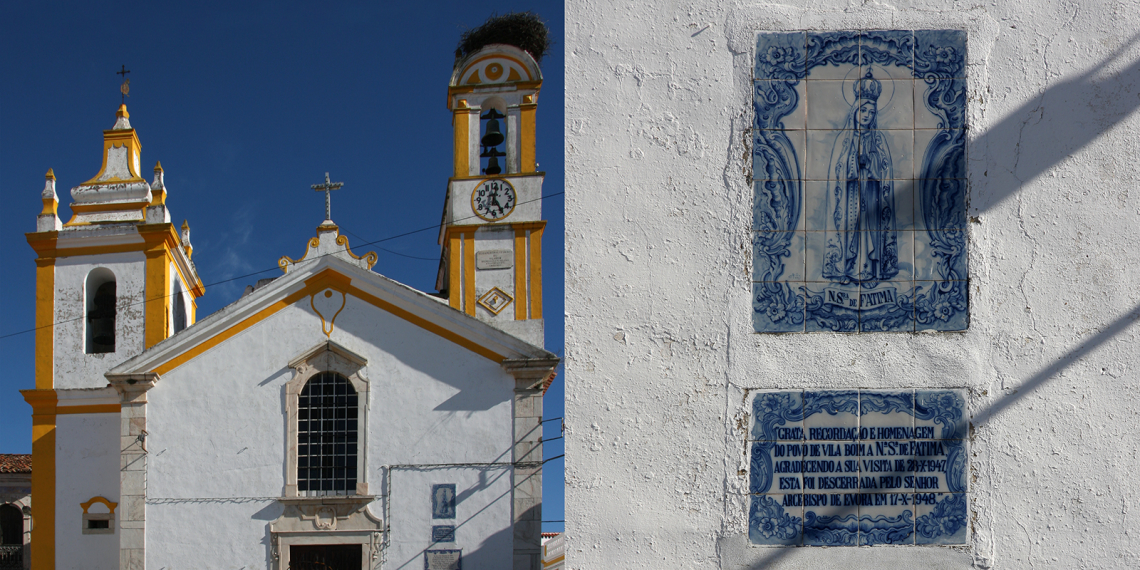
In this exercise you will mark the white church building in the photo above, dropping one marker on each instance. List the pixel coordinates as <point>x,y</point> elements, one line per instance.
<point>275,432</point>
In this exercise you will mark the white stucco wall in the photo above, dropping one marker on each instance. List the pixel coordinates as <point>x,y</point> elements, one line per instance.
<point>217,430</point>
<point>661,351</point>
<point>86,466</point>
<point>74,368</point>
<point>483,502</point>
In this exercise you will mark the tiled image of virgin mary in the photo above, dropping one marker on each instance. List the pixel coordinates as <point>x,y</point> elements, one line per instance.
<point>859,182</point>
<point>861,240</point>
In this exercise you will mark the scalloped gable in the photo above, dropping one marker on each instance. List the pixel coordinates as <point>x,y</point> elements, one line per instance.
<point>304,285</point>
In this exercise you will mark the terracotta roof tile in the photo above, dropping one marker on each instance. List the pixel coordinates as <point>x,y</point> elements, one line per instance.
<point>15,463</point>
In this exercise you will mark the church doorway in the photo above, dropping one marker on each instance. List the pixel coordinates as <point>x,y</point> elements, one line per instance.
<point>324,557</point>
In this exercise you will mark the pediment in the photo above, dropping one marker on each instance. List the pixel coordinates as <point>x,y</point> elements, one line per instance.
<point>329,280</point>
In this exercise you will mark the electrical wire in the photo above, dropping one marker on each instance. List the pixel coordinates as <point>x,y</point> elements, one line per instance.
<point>159,298</point>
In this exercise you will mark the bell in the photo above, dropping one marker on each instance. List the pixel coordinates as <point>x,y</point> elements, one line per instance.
<point>493,136</point>
<point>493,161</point>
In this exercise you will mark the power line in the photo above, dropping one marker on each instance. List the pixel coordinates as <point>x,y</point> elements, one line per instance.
<point>159,298</point>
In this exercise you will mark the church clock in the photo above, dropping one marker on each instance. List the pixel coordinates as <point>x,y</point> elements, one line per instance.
<point>493,199</point>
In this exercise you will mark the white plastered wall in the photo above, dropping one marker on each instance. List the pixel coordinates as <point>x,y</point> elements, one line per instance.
<point>660,348</point>
<point>482,504</point>
<point>74,368</point>
<point>217,428</point>
<point>86,466</point>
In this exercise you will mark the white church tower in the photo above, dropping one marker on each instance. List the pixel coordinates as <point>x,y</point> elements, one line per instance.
<point>491,237</point>
<point>111,282</point>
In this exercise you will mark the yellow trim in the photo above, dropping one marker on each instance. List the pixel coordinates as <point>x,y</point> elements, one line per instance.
<point>43,477</point>
<point>286,261</point>
<point>461,120</point>
<point>527,137</point>
<point>51,207</point>
<point>45,323</point>
<point>427,325</point>
<point>111,506</point>
<point>89,409</point>
<point>466,68</point>
<point>508,176</point>
<point>156,297</point>
<point>520,274</point>
<point>331,322</point>
<point>469,273</point>
<point>114,139</point>
<point>369,258</point>
<point>536,273</point>
<point>108,207</point>
<point>454,267</point>
<point>471,88</point>
<point>327,279</point>
<point>228,333</point>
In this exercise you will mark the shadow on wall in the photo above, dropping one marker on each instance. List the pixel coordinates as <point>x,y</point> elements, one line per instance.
<point>1061,121</point>
<point>490,552</point>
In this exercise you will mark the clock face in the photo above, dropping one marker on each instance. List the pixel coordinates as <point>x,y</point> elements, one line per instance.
<point>493,199</point>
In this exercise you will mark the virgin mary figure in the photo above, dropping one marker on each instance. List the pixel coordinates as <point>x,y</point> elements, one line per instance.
<point>860,235</point>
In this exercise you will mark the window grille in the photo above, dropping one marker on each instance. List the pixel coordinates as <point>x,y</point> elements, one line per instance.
<point>327,417</point>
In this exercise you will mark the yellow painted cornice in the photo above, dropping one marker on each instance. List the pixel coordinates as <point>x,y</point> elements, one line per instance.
<point>470,228</point>
<point>326,279</point>
<point>43,401</point>
<point>504,176</point>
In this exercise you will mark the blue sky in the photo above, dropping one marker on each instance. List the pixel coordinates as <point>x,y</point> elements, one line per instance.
<point>247,105</point>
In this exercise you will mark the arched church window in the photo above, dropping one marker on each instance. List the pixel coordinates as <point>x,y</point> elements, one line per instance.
<point>327,418</point>
<point>11,534</point>
<point>100,296</point>
<point>493,135</point>
<point>179,308</point>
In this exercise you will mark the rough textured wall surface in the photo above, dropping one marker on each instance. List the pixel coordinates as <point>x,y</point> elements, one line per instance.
<point>660,350</point>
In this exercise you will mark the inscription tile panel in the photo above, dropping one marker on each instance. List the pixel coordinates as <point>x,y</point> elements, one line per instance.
<point>858,467</point>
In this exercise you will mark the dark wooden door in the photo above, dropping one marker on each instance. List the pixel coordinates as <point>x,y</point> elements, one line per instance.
<point>325,557</point>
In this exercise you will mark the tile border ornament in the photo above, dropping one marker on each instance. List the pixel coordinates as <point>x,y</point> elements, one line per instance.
<point>937,60</point>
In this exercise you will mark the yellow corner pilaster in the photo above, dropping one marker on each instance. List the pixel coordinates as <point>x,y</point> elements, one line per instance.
<point>157,296</point>
<point>43,404</point>
<point>45,327</point>
<point>536,272</point>
<point>469,273</point>
<point>520,275</point>
<point>461,121</point>
<point>528,162</point>
<point>454,270</point>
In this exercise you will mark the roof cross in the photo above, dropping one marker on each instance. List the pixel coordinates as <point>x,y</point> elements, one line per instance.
<point>327,188</point>
<point>126,86</point>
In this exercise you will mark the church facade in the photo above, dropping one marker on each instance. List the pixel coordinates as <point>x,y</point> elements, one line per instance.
<point>297,426</point>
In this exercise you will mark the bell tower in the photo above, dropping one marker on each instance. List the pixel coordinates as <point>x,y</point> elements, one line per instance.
<point>108,278</point>
<point>491,236</point>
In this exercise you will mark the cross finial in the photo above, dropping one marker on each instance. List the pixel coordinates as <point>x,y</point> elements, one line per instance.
<point>327,188</point>
<point>126,86</point>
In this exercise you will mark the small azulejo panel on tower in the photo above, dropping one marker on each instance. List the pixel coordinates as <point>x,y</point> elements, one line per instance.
<point>859,467</point>
<point>859,182</point>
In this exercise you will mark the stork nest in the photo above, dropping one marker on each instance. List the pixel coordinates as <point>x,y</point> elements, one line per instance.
<point>524,30</point>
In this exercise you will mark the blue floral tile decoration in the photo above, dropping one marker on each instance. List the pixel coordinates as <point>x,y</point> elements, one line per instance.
<point>858,467</point>
<point>862,182</point>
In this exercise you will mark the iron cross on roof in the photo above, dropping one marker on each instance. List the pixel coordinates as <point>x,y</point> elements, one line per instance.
<point>126,86</point>
<point>327,188</point>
